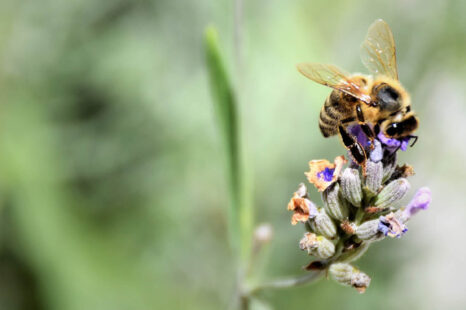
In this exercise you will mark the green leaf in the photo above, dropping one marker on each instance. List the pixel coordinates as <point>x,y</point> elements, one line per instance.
<point>225,105</point>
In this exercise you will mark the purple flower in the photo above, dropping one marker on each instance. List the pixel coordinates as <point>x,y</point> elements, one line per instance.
<point>357,132</point>
<point>420,201</point>
<point>389,142</point>
<point>326,174</point>
<point>376,153</point>
<point>392,143</point>
<point>381,143</point>
<point>405,143</point>
<point>322,173</point>
<point>390,226</point>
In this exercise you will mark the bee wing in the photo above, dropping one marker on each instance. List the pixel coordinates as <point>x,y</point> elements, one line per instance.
<point>378,51</point>
<point>332,76</point>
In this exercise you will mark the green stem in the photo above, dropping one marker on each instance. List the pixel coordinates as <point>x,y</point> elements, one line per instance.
<point>240,209</point>
<point>287,283</point>
<point>225,104</point>
<point>359,215</point>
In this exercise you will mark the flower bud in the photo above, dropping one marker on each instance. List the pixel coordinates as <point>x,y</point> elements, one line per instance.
<point>334,204</point>
<point>351,186</point>
<point>420,201</point>
<point>318,246</point>
<point>374,175</point>
<point>341,272</point>
<point>323,225</point>
<point>389,165</point>
<point>326,248</point>
<point>348,275</point>
<point>376,154</point>
<point>360,281</point>
<point>392,193</point>
<point>369,231</point>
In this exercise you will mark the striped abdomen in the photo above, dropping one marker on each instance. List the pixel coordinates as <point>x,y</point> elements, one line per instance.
<point>336,108</point>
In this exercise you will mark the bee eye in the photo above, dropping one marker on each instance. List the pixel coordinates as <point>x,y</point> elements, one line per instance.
<point>392,129</point>
<point>388,98</point>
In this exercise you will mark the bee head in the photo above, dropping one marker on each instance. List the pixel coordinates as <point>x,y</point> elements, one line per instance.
<point>402,128</point>
<point>387,98</point>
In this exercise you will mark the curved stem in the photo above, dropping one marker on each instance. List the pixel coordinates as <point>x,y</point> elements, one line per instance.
<point>286,283</point>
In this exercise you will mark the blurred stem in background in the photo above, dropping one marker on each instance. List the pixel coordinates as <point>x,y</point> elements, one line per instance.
<point>240,211</point>
<point>248,248</point>
<point>238,37</point>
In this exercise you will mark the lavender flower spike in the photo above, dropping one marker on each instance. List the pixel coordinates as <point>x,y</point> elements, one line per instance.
<point>420,201</point>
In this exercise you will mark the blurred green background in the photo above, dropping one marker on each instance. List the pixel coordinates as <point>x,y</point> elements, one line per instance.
<point>113,192</point>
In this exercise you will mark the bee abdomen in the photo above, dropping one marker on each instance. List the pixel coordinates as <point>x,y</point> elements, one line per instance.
<point>327,126</point>
<point>331,115</point>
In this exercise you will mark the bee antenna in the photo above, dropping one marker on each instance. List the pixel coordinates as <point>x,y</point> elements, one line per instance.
<point>415,140</point>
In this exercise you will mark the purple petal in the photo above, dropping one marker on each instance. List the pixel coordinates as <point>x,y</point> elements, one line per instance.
<point>405,143</point>
<point>420,201</point>
<point>390,226</point>
<point>377,153</point>
<point>383,228</point>
<point>390,142</point>
<point>356,131</point>
<point>326,174</point>
<point>312,209</point>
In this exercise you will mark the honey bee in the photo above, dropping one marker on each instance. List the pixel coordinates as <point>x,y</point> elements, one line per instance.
<point>376,102</point>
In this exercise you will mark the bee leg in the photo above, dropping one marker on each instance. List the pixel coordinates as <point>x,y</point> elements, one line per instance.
<point>364,126</point>
<point>354,147</point>
<point>415,140</point>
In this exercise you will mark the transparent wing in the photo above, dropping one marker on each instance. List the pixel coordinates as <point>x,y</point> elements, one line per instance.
<point>332,76</point>
<point>378,51</point>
